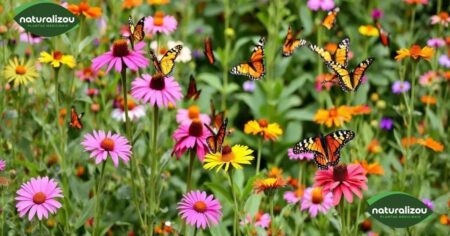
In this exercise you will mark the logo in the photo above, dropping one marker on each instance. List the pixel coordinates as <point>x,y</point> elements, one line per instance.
<point>44,18</point>
<point>397,209</point>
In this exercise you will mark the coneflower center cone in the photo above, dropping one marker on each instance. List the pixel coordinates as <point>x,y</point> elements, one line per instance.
<point>263,123</point>
<point>200,206</point>
<point>158,18</point>
<point>21,70</point>
<point>316,196</point>
<point>57,55</point>
<point>131,104</point>
<point>227,154</point>
<point>120,48</point>
<point>107,144</point>
<point>39,198</point>
<point>193,112</point>
<point>157,82</point>
<point>340,173</point>
<point>196,128</point>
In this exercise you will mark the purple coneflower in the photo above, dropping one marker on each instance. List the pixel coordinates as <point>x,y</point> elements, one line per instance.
<point>160,23</point>
<point>325,5</point>
<point>436,42</point>
<point>400,86</point>
<point>186,116</point>
<point>191,136</point>
<point>2,165</point>
<point>377,13</point>
<point>315,200</point>
<point>444,61</point>
<point>428,203</point>
<point>200,210</point>
<point>156,90</point>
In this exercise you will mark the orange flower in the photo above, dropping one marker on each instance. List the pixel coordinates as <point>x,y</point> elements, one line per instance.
<point>292,182</point>
<point>408,141</point>
<point>360,110</point>
<point>62,116</point>
<point>158,2</point>
<point>374,168</point>
<point>334,116</point>
<point>415,52</point>
<point>444,219</point>
<point>431,144</point>
<point>374,147</point>
<point>268,185</point>
<point>128,4</point>
<point>430,100</point>
<point>85,9</point>
<point>417,2</point>
<point>275,172</point>
<point>262,127</point>
<point>368,30</point>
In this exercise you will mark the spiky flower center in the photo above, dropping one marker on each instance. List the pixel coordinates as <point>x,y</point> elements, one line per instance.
<point>157,82</point>
<point>130,102</point>
<point>263,123</point>
<point>21,70</point>
<point>107,144</point>
<point>39,198</point>
<point>227,154</point>
<point>120,48</point>
<point>57,55</point>
<point>340,173</point>
<point>316,195</point>
<point>196,128</point>
<point>200,206</point>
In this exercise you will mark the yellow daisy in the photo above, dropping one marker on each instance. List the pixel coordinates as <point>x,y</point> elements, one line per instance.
<point>268,185</point>
<point>236,156</point>
<point>57,58</point>
<point>20,72</point>
<point>262,127</point>
<point>368,30</point>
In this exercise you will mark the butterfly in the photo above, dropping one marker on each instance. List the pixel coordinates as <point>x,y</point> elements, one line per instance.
<point>75,119</point>
<point>326,149</point>
<point>291,43</point>
<point>216,119</point>
<point>330,19</point>
<point>340,56</point>
<point>350,81</point>
<point>254,68</point>
<point>384,36</point>
<point>208,51</point>
<point>192,91</point>
<point>215,141</point>
<point>167,62</point>
<point>136,31</point>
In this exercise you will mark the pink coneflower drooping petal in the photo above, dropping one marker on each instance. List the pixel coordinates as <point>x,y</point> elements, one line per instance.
<point>121,55</point>
<point>191,137</point>
<point>37,197</point>
<point>101,145</point>
<point>156,90</point>
<point>199,210</point>
<point>316,200</point>
<point>160,23</point>
<point>186,116</point>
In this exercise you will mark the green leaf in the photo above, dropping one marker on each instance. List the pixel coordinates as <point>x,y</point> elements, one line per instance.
<point>87,212</point>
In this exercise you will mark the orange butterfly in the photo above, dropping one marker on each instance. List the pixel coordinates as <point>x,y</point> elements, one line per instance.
<point>75,119</point>
<point>215,141</point>
<point>136,31</point>
<point>330,20</point>
<point>192,91</point>
<point>216,119</point>
<point>326,149</point>
<point>291,43</point>
<point>254,68</point>
<point>208,51</point>
<point>384,36</point>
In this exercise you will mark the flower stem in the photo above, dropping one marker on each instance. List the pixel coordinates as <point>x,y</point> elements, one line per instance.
<point>189,175</point>
<point>272,215</point>
<point>97,210</point>
<point>236,230</point>
<point>227,13</point>
<point>123,74</point>
<point>154,168</point>
<point>258,160</point>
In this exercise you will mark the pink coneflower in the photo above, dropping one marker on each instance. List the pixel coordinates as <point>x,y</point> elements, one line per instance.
<point>200,210</point>
<point>300,156</point>
<point>101,145</point>
<point>316,5</point>
<point>120,55</point>
<point>87,74</point>
<point>30,38</point>
<point>292,197</point>
<point>135,111</point>
<point>261,219</point>
<point>442,18</point>
<point>192,113</point>
<point>436,42</point>
<point>157,90</point>
<point>2,165</point>
<point>377,13</point>
<point>160,23</point>
<point>428,78</point>
<point>316,200</point>
<point>191,136</point>
<point>37,197</point>
<point>342,180</point>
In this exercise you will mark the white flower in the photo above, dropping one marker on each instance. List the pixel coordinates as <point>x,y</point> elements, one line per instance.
<point>184,56</point>
<point>134,114</point>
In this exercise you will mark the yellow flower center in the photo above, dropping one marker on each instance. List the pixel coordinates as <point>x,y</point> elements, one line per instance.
<point>120,48</point>
<point>21,70</point>
<point>316,195</point>
<point>158,19</point>
<point>193,112</point>
<point>200,206</point>
<point>196,128</point>
<point>107,144</point>
<point>57,55</point>
<point>263,123</point>
<point>227,154</point>
<point>39,198</point>
<point>333,112</point>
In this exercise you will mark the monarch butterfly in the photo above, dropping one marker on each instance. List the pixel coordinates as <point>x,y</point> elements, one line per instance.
<point>384,36</point>
<point>340,56</point>
<point>216,119</point>
<point>75,119</point>
<point>326,149</point>
<point>215,141</point>
<point>167,62</point>
<point>192,91</point>
<point>136,31</point>
<point>350,81</point>
<point>254,68</point>
<point>291,43</point>
<point>330,19</point>
<point>208,51</point>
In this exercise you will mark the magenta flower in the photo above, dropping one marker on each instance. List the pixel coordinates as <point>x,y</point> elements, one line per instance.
<point>444,61</point>
<point>436,42</point>
<point>200,210</point>
<point>157,90</point>
<point>101,145</point>
<point>2,165</point>
<point>386,123</point>
<point>400,86</point>
<point>30,38</point>
<point>293,197</point>
<point>261,219</point>
<point>316,200</point>
<point>37,197</point>
<point>325,5</point>
<point>342,180</point>
<point>120,55</point>
<point>193,137</point>
<point>300,156</point>
<point>160,23</point>
<point>377,14</point>
<point>186,116</point>
<point>428,203</point>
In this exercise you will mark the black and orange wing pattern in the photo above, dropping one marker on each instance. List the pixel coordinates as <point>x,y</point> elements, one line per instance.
<point>291,43</point>
<point>254,68</point>
<point>192,91</point>
<point>383,35</point>
<point>315,146</point>
<point>216,118</point>
<point>340,56</point>
<point>208,50</point>
<point>167,62</point>
<point>155,61</point>
<point>330,19</point>
<point>136,31</point>
<point>75,119</point>
<point>335,142</point>
<point>215,141</point>
<point>350,81</point>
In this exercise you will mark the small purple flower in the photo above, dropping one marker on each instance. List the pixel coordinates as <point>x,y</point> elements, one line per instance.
<point>325,5</point>
<point>428,203</point>
<point>436,42</point>
<point>444,60</point>
<point>386,123</point>
<point>377,13</point>
<point>196,53</point>
<point>400,86</point>
<point>249,86</point>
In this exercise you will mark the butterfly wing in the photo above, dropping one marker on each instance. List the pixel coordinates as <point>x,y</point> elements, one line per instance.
<point>330,19</point>
<point>138,30</point>
<point>335,142</point>
<point>359,71</point>
<point>75,119</point>
<point>344,76</point>
<point>167,62</point>
<point>192,90</point>
<point>131,25</point>
<point>291,43</point>
<point>208,51</point>
<point>313,145</point>
<point>341,54</point>
<point>254,69</point>
<point>221,133</point>
<point>155,61</point>
<point>384,36</point>
<point>324,54</point>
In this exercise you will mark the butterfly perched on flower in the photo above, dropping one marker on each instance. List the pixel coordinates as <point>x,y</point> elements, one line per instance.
<point>383,35</point>
<point>167,62</point>
<point>330,19</point>
<point>350,80</point>
<point>208,50</point>
<point>215,141</point>
<point>340,56</point>
<point>192,91</point>
<point>75,119</point>
<point>254,68</point>
<point>291,42</point>
<point>326,149</point>
<point>136,31</point>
